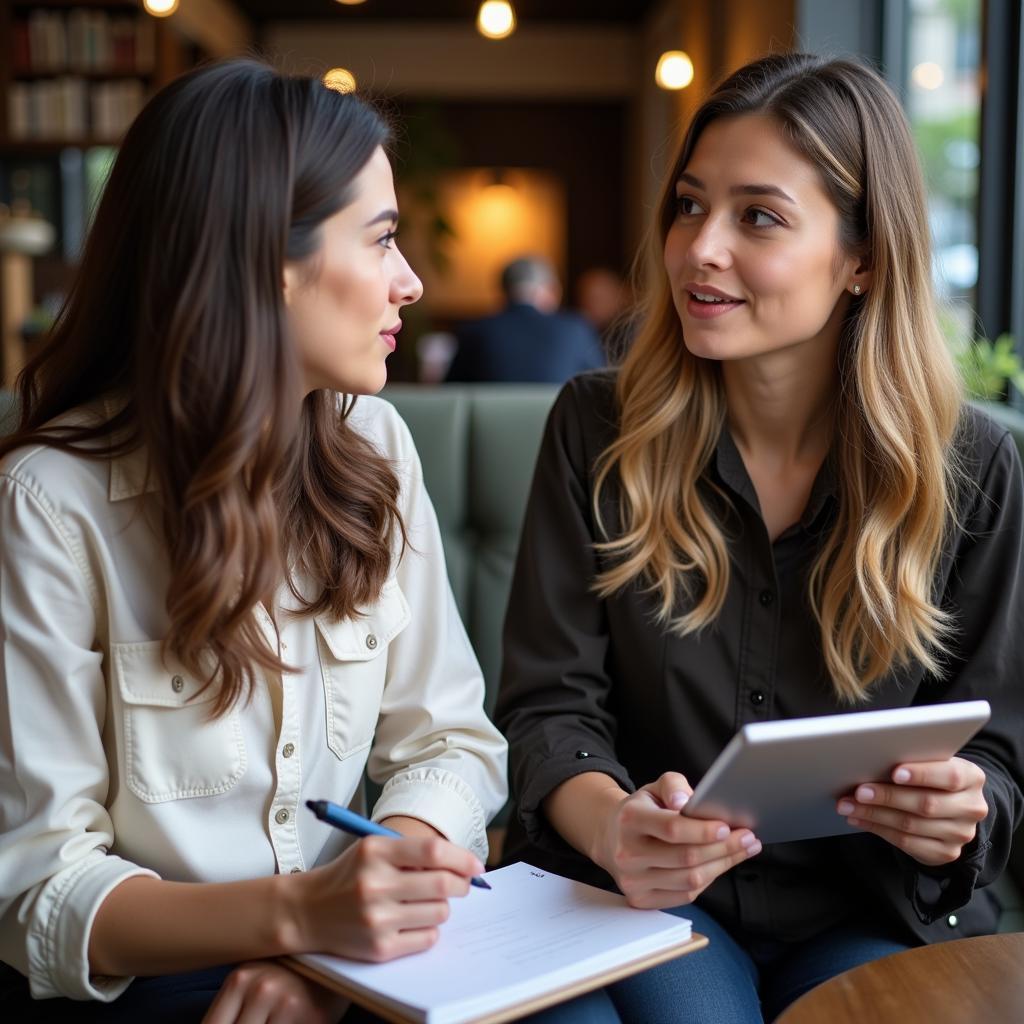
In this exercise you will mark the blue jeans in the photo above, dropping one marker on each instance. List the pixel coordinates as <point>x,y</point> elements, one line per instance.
<point>170,999</point>
<point>725,983</point>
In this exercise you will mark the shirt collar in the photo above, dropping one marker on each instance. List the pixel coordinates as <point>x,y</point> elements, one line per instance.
<point>733,473</point>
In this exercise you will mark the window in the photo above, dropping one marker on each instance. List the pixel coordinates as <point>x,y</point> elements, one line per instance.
<point>942,92</point>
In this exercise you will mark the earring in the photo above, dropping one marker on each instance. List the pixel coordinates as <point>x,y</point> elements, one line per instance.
<point>856,289</point>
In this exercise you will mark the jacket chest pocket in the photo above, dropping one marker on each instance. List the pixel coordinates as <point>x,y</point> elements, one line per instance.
<point>354,661</point>
<point>173,750</point>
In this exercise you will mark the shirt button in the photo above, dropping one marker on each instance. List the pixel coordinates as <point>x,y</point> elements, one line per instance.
<point>288,749</point>
<point>952,920</point>
<point>766,597</point>
<point>756,698</point>
<point>371,642</point>
<point>177,684</point>
<point>281,817</point>
<point>581,754</point>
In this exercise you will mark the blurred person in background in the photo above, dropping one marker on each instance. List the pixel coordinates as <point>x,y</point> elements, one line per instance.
<point>529,341</point>
<point>603,300</point>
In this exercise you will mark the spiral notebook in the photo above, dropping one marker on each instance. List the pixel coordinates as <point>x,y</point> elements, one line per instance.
<point>533,940</point>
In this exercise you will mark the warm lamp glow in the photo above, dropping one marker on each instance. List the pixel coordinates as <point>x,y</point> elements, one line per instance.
<point>496,19</point>
<point>351,3</point>
<point>160,8</point>
<point>499,193</point>
<point>674,71</point>
<point>495,214</point>
<point>928,75</point>
<point>340,80</point>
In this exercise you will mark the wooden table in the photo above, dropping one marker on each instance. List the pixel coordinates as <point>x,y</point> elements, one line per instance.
<point>969,981</point>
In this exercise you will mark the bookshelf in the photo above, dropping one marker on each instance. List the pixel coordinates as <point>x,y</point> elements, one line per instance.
<point>73,75</point>
<point>78,73</point>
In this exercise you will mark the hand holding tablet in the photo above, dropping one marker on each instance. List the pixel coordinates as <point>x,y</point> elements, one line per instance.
<point>786,780</point>
<point>930,812</point>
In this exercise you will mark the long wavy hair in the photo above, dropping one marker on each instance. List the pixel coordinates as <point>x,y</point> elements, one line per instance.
<point>897,406</point>
<point>177,311</point>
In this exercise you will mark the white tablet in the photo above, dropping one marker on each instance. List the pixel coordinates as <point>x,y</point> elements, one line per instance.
<point>782,779</point>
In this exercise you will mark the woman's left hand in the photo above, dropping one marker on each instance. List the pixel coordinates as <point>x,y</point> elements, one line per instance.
<point>266,992</point>
<point>931,811</point>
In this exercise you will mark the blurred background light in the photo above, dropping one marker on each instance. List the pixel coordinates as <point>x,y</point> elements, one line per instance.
<point>496,19</point>
<point>340,80</point>
<point>160,8</point>
<point>674,71</point>
<point>928,75</point>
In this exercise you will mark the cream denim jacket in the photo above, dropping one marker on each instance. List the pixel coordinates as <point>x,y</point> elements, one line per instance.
<point>109,769</point>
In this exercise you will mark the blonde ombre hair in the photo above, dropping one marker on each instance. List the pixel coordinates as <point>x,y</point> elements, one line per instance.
<point>897,405</point>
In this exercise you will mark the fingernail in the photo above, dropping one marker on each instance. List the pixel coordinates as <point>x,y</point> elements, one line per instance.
<point>901,775</point>
<point>480,868</point>
<point>865,794</point>
<point>723,832</point>
<point>755,849</point>
<point>677,800</point>
<point>748,840</point>
<point>846,807</point>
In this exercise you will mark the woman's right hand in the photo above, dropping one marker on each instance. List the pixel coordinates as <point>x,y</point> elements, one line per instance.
<point>382,898</point>
<point>661,858</point>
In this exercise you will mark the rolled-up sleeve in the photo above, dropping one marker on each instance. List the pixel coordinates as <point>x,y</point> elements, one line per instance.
<point>54,829</point>
<point>440,758</point>
<point>555,687</point>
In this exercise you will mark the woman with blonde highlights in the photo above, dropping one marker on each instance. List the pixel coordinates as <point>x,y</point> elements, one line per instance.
<point>222,587</point>
<point>778,506</point>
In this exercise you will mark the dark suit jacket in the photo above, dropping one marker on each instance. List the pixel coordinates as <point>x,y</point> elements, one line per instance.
<point>522,344</point>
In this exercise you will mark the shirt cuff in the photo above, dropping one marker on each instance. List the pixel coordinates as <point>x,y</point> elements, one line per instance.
<point>936,892</point>
<point>441,799</point>
<point>58,943</point>
<point>546,772</point>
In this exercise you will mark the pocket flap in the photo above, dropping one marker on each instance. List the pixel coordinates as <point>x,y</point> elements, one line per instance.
<point>367,635</point>
<point>143,677</point>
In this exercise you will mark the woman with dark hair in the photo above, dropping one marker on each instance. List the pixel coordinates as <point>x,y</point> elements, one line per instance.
<point>777,507</point>
<point>222,587</point>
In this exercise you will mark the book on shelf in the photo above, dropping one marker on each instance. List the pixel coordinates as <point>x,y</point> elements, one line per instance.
<point>83,40</point>
<point>69,108</point>
<point>535,939</point>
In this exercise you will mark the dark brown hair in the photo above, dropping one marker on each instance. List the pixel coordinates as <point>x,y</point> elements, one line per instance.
<point>178,311</point>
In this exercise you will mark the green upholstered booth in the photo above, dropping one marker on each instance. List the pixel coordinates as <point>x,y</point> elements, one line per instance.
<point>478,444</point>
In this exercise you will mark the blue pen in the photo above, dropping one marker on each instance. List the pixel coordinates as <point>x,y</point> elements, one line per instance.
<point>357,825</point>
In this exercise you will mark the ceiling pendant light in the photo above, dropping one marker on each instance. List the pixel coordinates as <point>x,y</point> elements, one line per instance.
<point>674,71</point>
<point>340,80</point>
<point>496,19</point>
<point>160,8</point>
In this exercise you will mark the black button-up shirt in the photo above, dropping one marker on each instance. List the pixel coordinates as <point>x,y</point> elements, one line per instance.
<point>598,685</point>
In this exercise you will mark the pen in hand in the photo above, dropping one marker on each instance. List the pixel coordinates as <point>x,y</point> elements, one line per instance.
<point>357,825</point>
